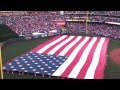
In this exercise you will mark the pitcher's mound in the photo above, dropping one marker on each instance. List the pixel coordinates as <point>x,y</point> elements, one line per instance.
<point>115,55</point>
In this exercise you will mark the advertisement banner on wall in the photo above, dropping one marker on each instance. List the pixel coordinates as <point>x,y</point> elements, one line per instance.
<point>60,22</point>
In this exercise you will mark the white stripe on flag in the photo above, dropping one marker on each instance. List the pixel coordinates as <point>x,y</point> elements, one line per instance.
<point>62,68</point>
<point>66,49</point>
<point>50,44</point>
<point>60,45</point>
<point>91,70</point>
<point>82,59</point>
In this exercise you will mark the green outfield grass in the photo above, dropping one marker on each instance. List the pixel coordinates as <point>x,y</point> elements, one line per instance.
<point>16,49</point>
<point>112,70</point>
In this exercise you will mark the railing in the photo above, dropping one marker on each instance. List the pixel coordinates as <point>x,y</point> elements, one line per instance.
<point>1,69</point>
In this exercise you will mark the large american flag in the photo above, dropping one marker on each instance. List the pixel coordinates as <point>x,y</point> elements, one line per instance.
<point>78,57</point>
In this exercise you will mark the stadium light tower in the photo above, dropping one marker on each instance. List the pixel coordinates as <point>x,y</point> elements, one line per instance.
<point>1,69</point>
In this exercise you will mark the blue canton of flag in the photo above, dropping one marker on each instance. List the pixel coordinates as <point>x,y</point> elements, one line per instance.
<point>36,63</point>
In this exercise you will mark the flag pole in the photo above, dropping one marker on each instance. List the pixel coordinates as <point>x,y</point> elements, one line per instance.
<point>1,69</point>
<point>87,23</point>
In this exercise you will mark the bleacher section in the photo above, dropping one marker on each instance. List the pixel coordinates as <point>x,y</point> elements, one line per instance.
<point>29,23</point>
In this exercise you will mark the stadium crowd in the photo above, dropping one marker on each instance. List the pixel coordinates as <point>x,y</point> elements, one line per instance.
<point>35,24</point>
<point>44,22</point>
<point>105,30</point>
<point>30,23</point>
<point>93,18</point>
<point>109,13</point>
<point>104,19</point>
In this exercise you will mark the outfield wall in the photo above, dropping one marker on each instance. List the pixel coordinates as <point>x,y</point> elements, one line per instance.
<point>11,41</point>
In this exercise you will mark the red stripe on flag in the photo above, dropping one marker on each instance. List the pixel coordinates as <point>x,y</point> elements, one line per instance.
<point>99,72</point>
<point>84,69</point>
<point>50,48</point>
<point>65,45</point>
<point>45,43</point>
<point>76,59</point>
<point>71,49</point>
